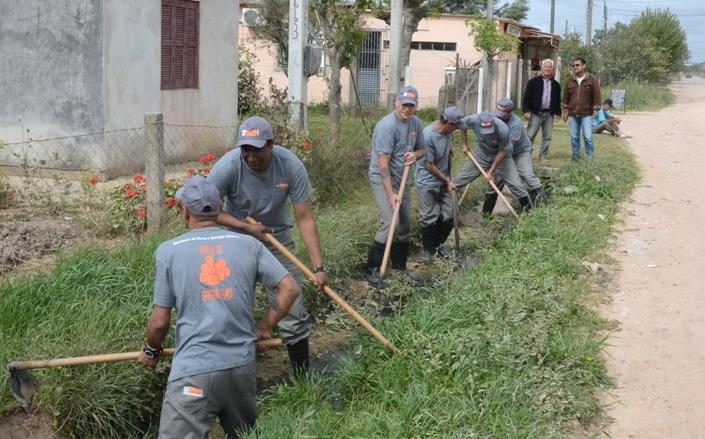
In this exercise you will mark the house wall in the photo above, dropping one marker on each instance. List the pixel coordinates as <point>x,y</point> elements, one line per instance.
<point>51,69</point>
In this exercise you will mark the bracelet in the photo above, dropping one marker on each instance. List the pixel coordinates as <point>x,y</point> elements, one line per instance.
<point>320,269</point>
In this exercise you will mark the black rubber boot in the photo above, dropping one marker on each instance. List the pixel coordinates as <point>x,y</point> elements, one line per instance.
<point>429,239</point>
<point>539,196</point>
<point>298,356</point>
<point>443,232</point>
<point>489,203</point>
<point>398,256</point>
<point>525,203</point>
<point>374,260</point>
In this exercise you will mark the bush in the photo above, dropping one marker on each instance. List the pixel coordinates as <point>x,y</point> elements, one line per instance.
<point>642,96</point>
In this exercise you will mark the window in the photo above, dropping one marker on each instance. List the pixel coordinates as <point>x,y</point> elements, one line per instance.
<point>430,45</point>
<point>179,44</point>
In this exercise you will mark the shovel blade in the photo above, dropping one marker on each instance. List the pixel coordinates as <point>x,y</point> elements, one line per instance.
<point>23,386</point>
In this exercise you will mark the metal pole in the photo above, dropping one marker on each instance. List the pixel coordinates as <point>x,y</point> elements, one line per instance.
<point>394,76</point>
<point>553,14</point>
<point>298,37</point>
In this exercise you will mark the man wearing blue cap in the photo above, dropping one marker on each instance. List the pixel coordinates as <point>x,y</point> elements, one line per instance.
<point>434,185</point>
<point>521,146</point>
<point>258,179</point>
<point>494,153</point>
<point>208,275</point>
<point>397,141</point>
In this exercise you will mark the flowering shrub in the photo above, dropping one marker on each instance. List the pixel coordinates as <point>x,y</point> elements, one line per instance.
<point>128,203</point>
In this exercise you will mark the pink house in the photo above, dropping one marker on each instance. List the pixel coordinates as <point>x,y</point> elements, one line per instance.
<point>436,46</point>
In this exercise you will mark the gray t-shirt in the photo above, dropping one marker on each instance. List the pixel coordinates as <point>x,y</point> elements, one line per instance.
<point>438,147</point>
<point>209,276</point>
<point>488,145</point>
<point>394,138</point>
<point>263,196</point>
<point>517,135</point>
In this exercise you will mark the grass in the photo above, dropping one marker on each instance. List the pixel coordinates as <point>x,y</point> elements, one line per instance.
<point>510,349</point>
<point>642,96</point>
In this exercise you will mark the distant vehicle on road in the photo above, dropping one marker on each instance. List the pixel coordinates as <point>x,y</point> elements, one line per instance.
<point>688,75</point>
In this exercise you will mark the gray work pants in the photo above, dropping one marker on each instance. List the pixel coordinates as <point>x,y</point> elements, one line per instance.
<point>525,168</point>
<point>434,203</point>
<point>543,120</point>
<point>191,404</point>
<point>506,170</point>
<point>297,324</point>
<point>403,229</point>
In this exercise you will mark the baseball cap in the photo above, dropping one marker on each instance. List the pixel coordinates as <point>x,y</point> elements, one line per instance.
<point>504,107</point>
<point>408,95</point>
<point>486,122</point>
<point>608,101</point>
<point>453,115</point>
<point>200,196</point>
<point>254,131</point>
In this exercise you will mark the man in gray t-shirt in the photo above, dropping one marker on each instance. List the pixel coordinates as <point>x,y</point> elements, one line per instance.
<point>397,141</point>
<point>258,179</point>
<point>521,155</point>
<point>434,185</point>
<point>494,153</point>
<point>208,275</point>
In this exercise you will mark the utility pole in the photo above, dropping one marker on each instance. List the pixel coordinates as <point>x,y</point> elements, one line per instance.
<point>604,12</point>
<point>565,32</point>
<point>487,64</point>
<point>588,27</point>
<point>553,14</point>
<point>394,75</point>
<point>298,82</point>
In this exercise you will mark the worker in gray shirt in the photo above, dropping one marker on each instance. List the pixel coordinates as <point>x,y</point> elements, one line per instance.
<point>494,153</point>
<point>397,141</point>
<point>208,275</point>
<point>434,185</point>
<point>521,144</point>
<point>258,179</point>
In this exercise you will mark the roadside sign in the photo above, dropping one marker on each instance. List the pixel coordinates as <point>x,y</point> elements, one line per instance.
<point>618,99</point>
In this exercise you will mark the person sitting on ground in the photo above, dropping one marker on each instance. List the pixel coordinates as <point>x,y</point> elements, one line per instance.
<point>208,275</point>
<point>605,121</point>
<point>433,182</point>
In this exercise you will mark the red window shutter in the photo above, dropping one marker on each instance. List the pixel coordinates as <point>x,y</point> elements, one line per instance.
<point>180,39</point>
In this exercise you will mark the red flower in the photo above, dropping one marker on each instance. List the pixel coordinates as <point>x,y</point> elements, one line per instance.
<point>206,170</point>
<point>127,187</point>
<point>170,202</point>
<point>189,172</point>
<point>140,179</point>
<point>93,180</point>
<point>307,145</point>
<point>131,193</point>
<point>141,212</point>
<point>206,159</point>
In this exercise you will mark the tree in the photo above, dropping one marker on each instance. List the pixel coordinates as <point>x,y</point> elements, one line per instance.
<point>665,29</point>
<point>489,40</point>
<point>274,27</point>
<point>517,10</point>
<point>572,46</point>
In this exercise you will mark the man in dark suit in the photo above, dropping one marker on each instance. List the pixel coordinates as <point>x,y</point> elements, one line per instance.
<point>541,104</point>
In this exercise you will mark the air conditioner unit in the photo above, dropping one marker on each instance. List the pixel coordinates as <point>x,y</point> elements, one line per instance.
<point>251,17</point>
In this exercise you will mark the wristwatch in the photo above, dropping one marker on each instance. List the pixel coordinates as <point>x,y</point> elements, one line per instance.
<point>150,352</point>
<point>320,269</point>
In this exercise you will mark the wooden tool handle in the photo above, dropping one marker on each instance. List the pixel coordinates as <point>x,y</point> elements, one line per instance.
<point>328,290</point>
<point>393,225</point>
<point>494,186</point>
<point>109,358</point>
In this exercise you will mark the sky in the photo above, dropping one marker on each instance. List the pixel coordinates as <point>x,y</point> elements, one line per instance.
<point>691,14</point>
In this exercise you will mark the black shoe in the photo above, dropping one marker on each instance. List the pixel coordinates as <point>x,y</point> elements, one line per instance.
<point>525,203</point>
<point>576,157</point>
<point>428,239</point>
<point>489,203</point>
<point>298,356</point>
<point>539,196</point>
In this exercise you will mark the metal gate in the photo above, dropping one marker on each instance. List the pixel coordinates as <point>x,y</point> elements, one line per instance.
<point>466,76</point>
<point>370,69</point>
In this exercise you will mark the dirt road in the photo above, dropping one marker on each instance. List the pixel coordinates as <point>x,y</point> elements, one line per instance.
<point>658,355</point>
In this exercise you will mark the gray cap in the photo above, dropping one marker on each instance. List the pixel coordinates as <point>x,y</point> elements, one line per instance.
<point>254,131</point>
<point>408,95</point>
<point>200,196</point>
<point>453,115</point>
<point>486,122</point>
<point>504,107</point>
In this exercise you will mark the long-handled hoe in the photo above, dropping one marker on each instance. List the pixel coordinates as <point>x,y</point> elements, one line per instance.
<point>328,290</point>
<point>494,186</point>
<point>23,385</point>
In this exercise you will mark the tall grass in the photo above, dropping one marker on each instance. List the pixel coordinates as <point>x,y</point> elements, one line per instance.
<point>642,96</point>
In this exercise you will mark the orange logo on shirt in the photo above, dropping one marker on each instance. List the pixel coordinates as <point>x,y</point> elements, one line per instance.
<point>213,272</point>
<point>282,186</point>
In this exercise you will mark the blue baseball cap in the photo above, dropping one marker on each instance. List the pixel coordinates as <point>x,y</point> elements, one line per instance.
<point>254,131</point>
<point>486,122</point>
<point>408,95</point>
<point>504,107</point>
<point>200,197</point>
<point>453,115</point>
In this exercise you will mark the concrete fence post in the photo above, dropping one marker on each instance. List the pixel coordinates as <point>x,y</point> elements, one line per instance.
<point>154,169</point>
<point>480,91</point>
<point>520,83</point>
<point>508,91</point>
